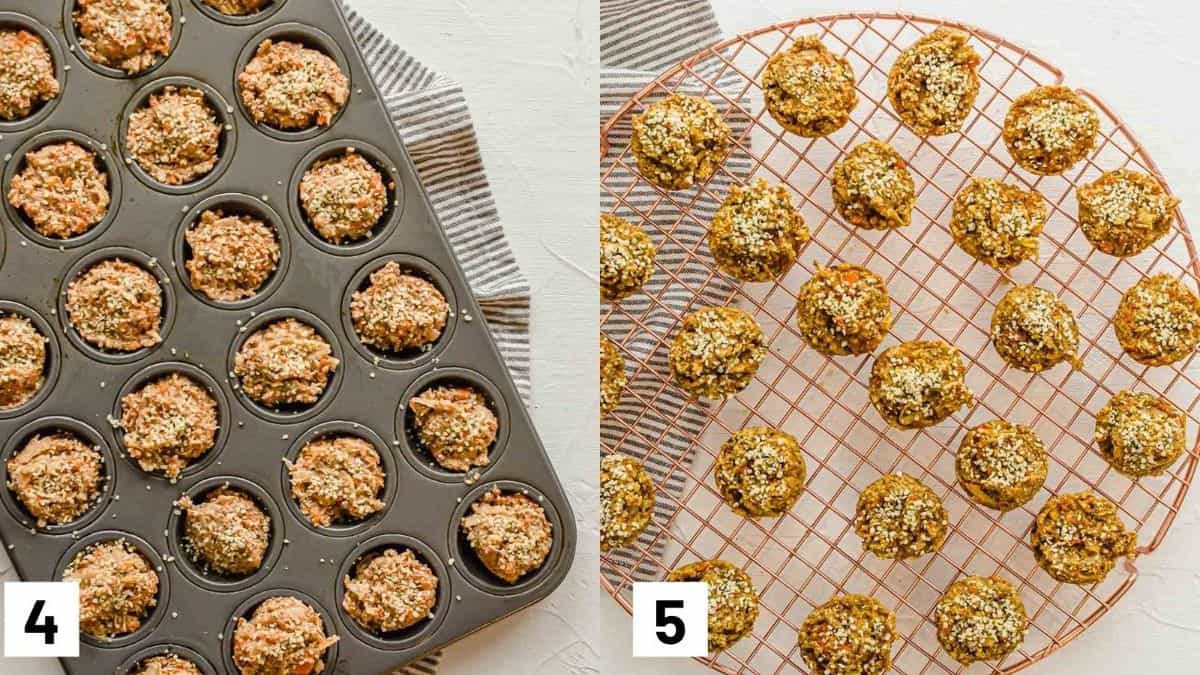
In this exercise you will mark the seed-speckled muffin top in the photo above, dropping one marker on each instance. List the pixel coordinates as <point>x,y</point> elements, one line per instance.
<point>130,35</point>
<point>849,635</point>
<point>626,258</point>
<point>980,619</point>
<point>398,311</point>
<point>997,223</point>
<point>509,533</point>
<point>1158,321</point>
<point>872,187</point>
<point>26,74</point>
<point>286,362</point>
<point>117,588</point>
<point>343,197</point>
<point>1001,465</point>
<point>897,516</point>
<point>679,141</point>
<point>227,531</point>
<point>337,480</point>
<point>716,352</point>
<point>61,190</point>
<point>116,305</point>
<point>22,360</point>
<point>456,425</point>
<point>808,89</point>
<point>626,501</point>
<point>292,87</point>
<point>843,309</point>
<point>612,375</point>
<point>933,83</point>
<point>390,591</point>
<point>284,635</point>
<point>168,423</point>
<point>1048,129</point>
<point>1123,212</point>
<point>232,256</point>
<point>760,472</point>
<point>1077,538</point>
<point>757,232</point>
<point>56,477</point>
<point>175,137</point>
<point>919,383</point>
<point>1033,330</point>
<point>166,664</point>
<point>1140,434</point>
<point>238,7</point>
<point>732,600</point>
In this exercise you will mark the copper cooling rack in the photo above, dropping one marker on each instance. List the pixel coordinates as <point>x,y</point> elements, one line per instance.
<point>800,560</point>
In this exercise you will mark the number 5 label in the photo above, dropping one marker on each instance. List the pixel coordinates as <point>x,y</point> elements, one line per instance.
<point>670,618</point>
<point>41,619</point>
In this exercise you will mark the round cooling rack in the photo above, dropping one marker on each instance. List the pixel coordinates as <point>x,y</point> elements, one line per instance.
<point>800,560</point>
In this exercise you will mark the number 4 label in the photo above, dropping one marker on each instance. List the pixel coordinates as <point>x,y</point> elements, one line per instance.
<point>670,618</point>
<point>41,619</point>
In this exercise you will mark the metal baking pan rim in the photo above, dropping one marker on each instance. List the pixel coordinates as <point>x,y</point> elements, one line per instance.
<point>247,20</point>
<point>247,607</point>
<point>39,115</point>
<point>164,649</point>
<point>75,46</point>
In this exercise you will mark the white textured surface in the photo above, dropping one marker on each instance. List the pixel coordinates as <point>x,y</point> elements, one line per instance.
<point>1140,58</point>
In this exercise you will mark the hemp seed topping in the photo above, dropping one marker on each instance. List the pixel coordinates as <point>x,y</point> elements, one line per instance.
<point>56,477</point>
<point>26,74</point>
<point>626,501</point>
<point>1158,321</point>
<point>757,232</point>
<point>398,311</point>
<point>1001,465</point>
<point>679,141</point>
<point>1077,538</point>
<point>918,384</point>
<point>760,472</point>
<point>933,83</point>
<point>60,190</point>
<point>227,531</point>
<point>289,86</point>
<point>1048,129</point>
<point>166,664</point>
<point>808,89</point>
<point>626,258</point>
<point>732,600</point>
<point>175,137</point>
<point>612,375</point>
<point>232,256</point>
<point>238,7</point>
<point>117,588</point>
<point>899,517</point>
<point>456,425</point>
<point>980,619</point>
<point>872,187</point>
<point>285,363</point>
<point>22,360</point>
<point>130,35</point>
<point>849,635</point>
<point>509,533</point>
<point>390,591</point>
<point>337,479</point>
<point>1123,212</point>
<point>344,197</point>
<point>116,305</point>
<point>168,423</point>
<point>1033,330</point>
<point>997,223</point>
<point>716,352</point>
<point>843,309</point>
<point>1140,434</point>
<point>284,635</point>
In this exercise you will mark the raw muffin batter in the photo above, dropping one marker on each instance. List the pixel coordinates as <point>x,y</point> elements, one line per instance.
<point>456,425</point>
<point>933,83</point>
<point>1123,212</point>
<point>626,258</point>
<point>757,232</point>
<point>980,619</point>
<point>116,305</point>
<point>1001,465</point>
<point>760,472</point>
<point>849,635</point>
<point>1033,330</point>
<point>1048,129</point>
<point>1140,434</point>
<point>716,352</point>
<point>899,517</point>
<point>167,664</point>
<point>509,533</point>
<point>238,7</point>
<point>390,592</point>
<point>1077,538</point>
<point>679,141</point>
<point>60,190</point>
<point>808,89</point>
<point>337,480</point>
<point>843,309</point>
<point>285,363</point>
<point>56,477</point>
<point>344,197</point>
<point>168,423</point>
<point>1158,321</point>
<point>130,35</point>
<point>26,74</point>
<point>919,383</point>
<point>398,311</point>
<point>175,137</point>
<point>732,600</point>
<point>612,375</point>
<point>232,256</point>
<point>283,636</point>
<point>22,360</point>
<point>997,223</point>
<point>227,531</point>
<point>117,588</point>
<point>626,501</point>
<point>290,86</point>
<point>872,187</point>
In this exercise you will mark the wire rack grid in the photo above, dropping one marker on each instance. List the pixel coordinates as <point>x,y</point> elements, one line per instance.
<point>803,558</point>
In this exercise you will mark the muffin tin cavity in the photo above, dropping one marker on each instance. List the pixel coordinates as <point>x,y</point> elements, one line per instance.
<point>18,21</point>
<point>75,44</point>
<point>406,430</point>
<point>246,609</point>
<point>245,20</point>
<point>412,358</point>
<point>142,655</point>
<point>53,357</point>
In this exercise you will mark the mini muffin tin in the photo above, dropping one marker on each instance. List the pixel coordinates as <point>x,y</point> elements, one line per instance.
<point>258,174</point>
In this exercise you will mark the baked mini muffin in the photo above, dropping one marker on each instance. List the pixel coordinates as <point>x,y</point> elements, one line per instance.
<point>899,517</point>
<point>1078,538</point>
<point>612,375</point>
<point>292,87</point>
<point>872,187</point>
<point>227,531</point>
<point>343,197</point>
<point>1158,321</point>
<point>1001,465</point>
<point>168,423</point>
<point>390,591</point>
<point>456,425</point>
<point>980,619</point>
<point>1048,129</point>
<point>238,7</point>
<point>175,137</point>
<point>626,501</point>
<point>843,309</point>
<point>1123,212</point>
<point>1033,330</point>
<point>509,533</point>
<point>398,311</point>
<point>283,635</point>
<point>760,472</point>
<point>849,635</point>
<point>626,258</point>
<point>166,664</point>
<point>679,141</point>
<point>757,232</point>
<point>997,223</point>
<point>286,362</point>
<point>22,360</point>
<point>117,588</point>
<point>716,352</point>
<point>732,600</point>
<point>337,480</point>
<point>60,190</point>
<point>808,89</point>
<point>232,256</point>
<point>918,384</point>
<point>26,74</point>
<point>129,35</point>
<point>933,83</point>
<point>1140,434</point>
<point>56,477</point>
<point>116,305</point>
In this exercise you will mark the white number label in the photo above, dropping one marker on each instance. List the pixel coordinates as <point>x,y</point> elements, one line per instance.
<point>670,618</point>
<point>41,619</point>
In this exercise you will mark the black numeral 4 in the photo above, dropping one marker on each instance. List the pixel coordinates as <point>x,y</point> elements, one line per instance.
<point>47,627</point>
